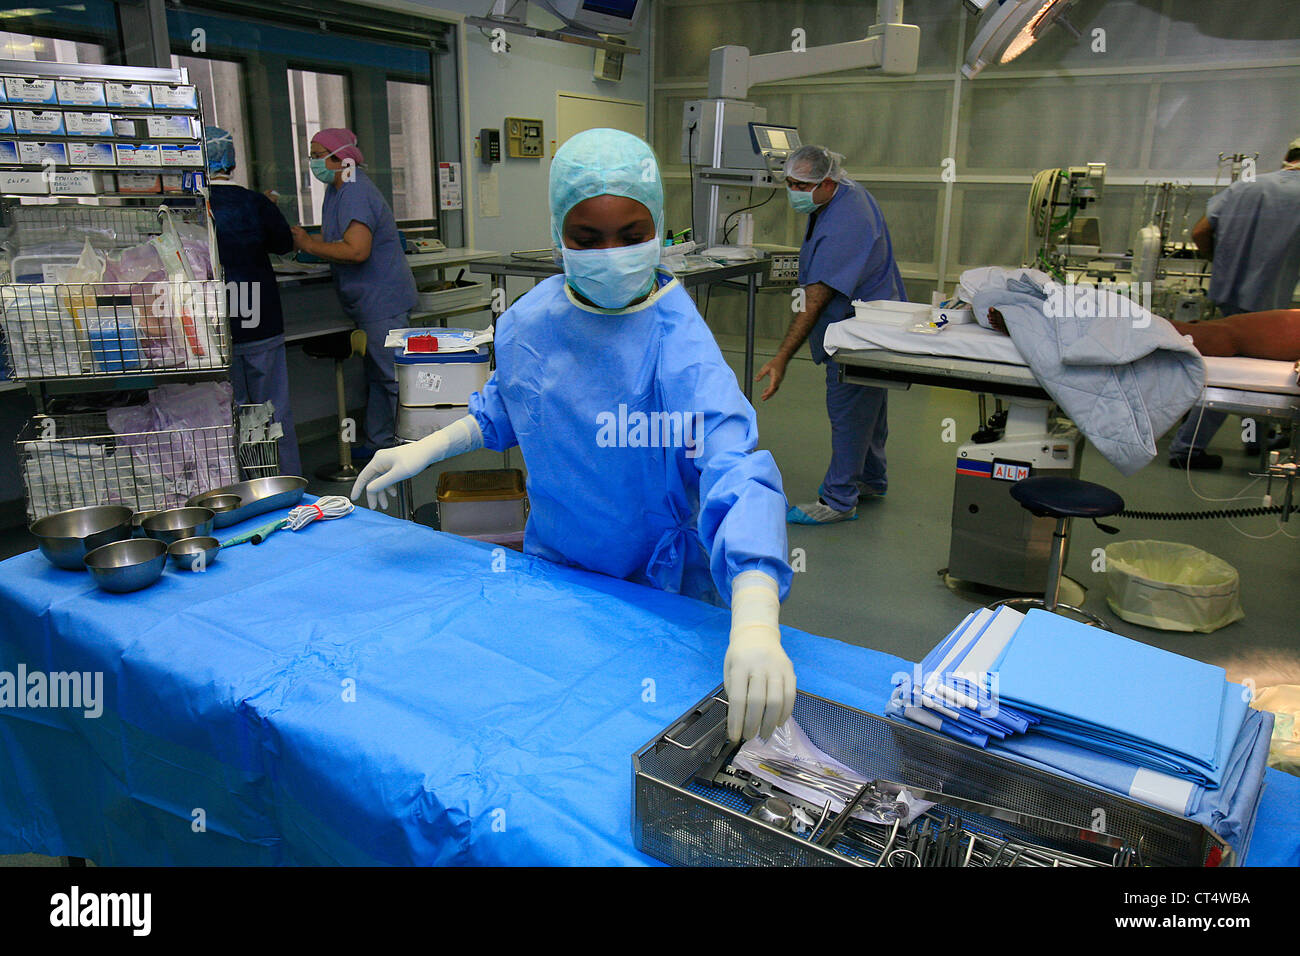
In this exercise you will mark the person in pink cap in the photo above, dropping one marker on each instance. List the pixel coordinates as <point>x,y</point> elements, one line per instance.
<point>375,285</point>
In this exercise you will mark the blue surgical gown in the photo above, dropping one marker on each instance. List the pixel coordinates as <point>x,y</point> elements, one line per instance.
<point>1256,242</point>
<point>639,444</point>
<point>847,247</point>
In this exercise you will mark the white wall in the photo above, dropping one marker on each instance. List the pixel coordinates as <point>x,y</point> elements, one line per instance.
<point>523,82</point>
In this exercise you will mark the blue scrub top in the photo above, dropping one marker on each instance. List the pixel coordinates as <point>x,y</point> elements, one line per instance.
<point>847,247</point>
<point>249,226</point>
<point>382,286</point>
<point>1256,242</point>
<point>641,449</point>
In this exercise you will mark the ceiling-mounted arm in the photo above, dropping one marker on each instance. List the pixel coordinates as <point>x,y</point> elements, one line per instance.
<point>890,46</point>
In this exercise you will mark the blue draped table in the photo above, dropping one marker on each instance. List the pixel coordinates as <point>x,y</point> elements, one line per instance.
<point>369,691</point>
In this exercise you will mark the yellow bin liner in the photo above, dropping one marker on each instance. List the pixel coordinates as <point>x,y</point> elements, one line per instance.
<point>1171,586</point>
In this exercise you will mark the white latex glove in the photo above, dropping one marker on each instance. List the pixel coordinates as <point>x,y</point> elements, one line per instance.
<point>391,465</point>
<point>757,674</point>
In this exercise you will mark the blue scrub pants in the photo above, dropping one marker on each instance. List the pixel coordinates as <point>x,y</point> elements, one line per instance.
<point>1190,437</point>
<point>381,401</point>
<point>859,427</point>
<point>259,373</point>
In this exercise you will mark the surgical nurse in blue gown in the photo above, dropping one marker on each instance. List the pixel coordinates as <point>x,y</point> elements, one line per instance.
<point>641,449</point>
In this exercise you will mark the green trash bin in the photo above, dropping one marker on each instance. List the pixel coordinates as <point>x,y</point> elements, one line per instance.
<point>1172,587</point>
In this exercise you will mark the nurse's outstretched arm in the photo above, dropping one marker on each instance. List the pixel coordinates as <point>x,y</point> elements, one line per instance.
<point>391,465</point>
<point>757,674</point>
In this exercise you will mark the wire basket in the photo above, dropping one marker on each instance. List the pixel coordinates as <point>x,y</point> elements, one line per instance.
<point>105,330</point>
<point>78,460</point>
<point>681,820</point>
<point>259,459</point>
<point>104,225</point>
<point>133,319</point>
<point>259,445</point>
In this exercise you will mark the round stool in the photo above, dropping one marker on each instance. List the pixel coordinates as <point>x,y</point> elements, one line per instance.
<point>339,346</point>
<point>1062,499</point>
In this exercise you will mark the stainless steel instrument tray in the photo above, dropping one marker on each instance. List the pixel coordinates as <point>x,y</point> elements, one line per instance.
<point>678,820</point>
<point>256,497</point>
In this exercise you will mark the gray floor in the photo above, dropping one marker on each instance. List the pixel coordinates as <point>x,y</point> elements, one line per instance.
<point>874,582</point>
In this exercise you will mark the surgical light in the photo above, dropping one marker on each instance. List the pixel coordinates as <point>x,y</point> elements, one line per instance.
<point>1009,29</point>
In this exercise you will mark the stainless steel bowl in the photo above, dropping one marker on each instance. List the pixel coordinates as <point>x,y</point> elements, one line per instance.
<point>219,504</point>
<point>67,537</point>
<point>137,521</point>
<point>127,565</point>
<point>256,497</point>
<point>194,554</point>
<point>177,523</point>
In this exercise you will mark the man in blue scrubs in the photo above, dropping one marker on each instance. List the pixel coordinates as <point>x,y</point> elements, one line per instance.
<point>1251,232</point>
<point>846,255</point>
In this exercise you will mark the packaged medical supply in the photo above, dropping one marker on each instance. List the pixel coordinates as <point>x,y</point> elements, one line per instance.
<point>80,92</point>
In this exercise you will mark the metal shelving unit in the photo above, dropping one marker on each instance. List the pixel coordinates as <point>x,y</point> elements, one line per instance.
<point>142,319</point>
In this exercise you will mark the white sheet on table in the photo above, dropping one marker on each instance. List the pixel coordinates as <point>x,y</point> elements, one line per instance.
<point>985,345</point>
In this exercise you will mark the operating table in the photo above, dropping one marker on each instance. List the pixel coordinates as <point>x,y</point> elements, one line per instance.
<point>978,360</point>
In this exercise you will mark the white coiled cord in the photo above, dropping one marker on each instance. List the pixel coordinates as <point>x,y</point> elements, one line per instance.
<point>323,509</point>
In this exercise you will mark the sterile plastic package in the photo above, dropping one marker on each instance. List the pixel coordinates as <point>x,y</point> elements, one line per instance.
<point>789,752</point>
<point>1171,586</point>
<point>170,450</point>
<point>255,423</point>
<point>1283,700</point>
<point>449,340</point>
<point>60,475</point>
<point>81,279</point>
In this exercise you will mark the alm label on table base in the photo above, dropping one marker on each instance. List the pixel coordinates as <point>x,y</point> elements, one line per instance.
<point>1010,470</point>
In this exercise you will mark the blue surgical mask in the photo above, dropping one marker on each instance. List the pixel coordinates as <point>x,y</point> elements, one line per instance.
<point>613,278</point>
<point>801,201</point>
<point>321,171</point>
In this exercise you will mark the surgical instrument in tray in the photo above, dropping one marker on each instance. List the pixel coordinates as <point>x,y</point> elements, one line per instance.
<point>1010,812</point>
<point>827,838</point>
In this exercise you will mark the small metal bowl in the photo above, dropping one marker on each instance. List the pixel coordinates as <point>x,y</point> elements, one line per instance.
<point>67,537</point>
<point>137,521</point>
<point>177,523</point>
<point>127,565</point>
<point>194,554</point>
<point>219,504</point>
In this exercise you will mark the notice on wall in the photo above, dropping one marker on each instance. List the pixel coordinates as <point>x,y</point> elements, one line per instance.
<point>489,196</point>
<point>449,195</point>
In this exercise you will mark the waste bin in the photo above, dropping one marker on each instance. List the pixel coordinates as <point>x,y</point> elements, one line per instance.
<point>1170,586</point>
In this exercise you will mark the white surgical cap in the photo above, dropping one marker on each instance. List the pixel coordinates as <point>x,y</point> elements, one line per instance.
<point>604,162</point>
<point>812,164</point>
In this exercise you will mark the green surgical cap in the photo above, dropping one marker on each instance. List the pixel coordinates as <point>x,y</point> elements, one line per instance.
<point>604,162</point>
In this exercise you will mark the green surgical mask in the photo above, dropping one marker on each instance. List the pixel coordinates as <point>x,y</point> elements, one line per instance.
<point>321,171</point>
<point>801,201</point>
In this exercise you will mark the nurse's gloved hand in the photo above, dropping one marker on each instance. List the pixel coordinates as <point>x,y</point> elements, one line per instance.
<point>757,674</point>
<point>391,465</point>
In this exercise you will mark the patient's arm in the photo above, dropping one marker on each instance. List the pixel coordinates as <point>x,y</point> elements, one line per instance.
<point>1265,335</point>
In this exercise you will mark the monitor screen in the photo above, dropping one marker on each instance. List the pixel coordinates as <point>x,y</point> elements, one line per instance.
<point>612,8</point>
<point>774,137</point>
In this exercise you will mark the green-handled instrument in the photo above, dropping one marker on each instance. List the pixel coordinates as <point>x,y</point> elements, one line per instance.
<point>257,535</point>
